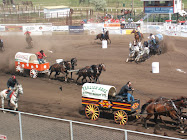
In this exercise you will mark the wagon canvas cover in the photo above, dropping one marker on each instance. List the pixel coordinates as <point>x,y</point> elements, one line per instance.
<point>97,91</point>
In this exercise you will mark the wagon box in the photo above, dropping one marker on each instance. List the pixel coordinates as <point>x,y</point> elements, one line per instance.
<point>96,97</point>
<point>28,61</point>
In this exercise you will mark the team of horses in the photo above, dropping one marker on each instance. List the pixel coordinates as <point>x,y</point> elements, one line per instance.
<point>140,52</point>
<point>65,67</point>
<point>172,108</point>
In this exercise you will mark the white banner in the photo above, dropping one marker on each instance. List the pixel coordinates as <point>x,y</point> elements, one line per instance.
<point>60,28</point>
<point>2,28</point>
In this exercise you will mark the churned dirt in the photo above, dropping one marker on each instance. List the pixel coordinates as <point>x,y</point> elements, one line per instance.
<point>43,96</point>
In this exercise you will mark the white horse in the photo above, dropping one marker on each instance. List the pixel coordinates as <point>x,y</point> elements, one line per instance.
<point>134,50</point>
<point>14,98</point>
<point>143,53</point>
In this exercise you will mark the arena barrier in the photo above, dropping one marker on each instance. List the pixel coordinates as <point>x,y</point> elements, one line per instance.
<point>16,125</point>
<point>169,29</point>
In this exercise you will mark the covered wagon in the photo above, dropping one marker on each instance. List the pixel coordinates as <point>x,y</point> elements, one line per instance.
<point>98,97</point>
<point>28,61</point>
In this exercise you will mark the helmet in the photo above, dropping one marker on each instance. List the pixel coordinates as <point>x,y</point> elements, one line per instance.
<point>13,77</point>
<point>151,34</point>
<point>41,51</point>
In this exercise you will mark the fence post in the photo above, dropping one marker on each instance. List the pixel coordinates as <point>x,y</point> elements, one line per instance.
<point>20,126</point>
<point>71,130</point>
<point>126,135</point>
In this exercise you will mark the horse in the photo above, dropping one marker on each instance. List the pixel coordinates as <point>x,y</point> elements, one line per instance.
<point>137,37</point>
<point>29,40</point>
<point>154,48</point>
<point>13,97</point>
<point>61,67</point>
<point>85,72</point>
<point>106,37</point>
<point>134,51</point>
<point>167,107</point>
<point>73,62</point>
<point>143,53</point>
<point>1,46</point>
<point>100,67</point>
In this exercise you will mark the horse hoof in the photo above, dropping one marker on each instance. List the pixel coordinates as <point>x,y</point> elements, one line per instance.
<point>4,112</point>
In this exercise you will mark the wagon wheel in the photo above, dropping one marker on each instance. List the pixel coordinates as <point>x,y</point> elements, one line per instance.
<point>121,117</point>
<point>33,73</point>
<point>92,112</point>
<point>19,69</point>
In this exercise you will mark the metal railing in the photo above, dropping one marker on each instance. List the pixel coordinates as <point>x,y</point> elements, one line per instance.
<point>26,126</point>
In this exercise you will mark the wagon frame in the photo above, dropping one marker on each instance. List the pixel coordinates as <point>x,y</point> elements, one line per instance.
<point>98,97</point>
<point>28,61</point>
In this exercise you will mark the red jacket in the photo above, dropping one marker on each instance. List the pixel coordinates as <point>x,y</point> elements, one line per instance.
<point>40,56</point>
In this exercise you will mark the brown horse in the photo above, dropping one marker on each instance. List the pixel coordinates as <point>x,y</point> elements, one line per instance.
<point>29,40</point>
<point>60,68</point>
<point>85,72</point>
<point>100,67</point>
<point>73,64</point>
<point>136,36</point>
<point>105,37</point>
<point>165,107</point>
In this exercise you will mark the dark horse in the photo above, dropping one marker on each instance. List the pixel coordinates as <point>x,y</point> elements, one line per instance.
<point>105,37</point>
<point>100,68</point>
<point>1,46</point>
<point>136,36</point>
<point>165,107</point>
<point>61,67</point>
<point>73,64</point>
<point>92,72</point>
<point>29,40</point>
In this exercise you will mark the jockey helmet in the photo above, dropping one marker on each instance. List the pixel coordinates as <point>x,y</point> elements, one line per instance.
<point>151,34</point>
<point>41,51</point>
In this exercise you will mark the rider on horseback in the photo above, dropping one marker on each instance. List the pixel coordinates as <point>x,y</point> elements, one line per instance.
<point>11,84</point>
<point>103,33</point>
<point>152,38</point>
<point>41,56</point>
<point>138,32</point>
<point>124,91</point>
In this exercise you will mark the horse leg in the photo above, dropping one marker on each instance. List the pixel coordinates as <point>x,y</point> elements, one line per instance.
<point>147,118</point>
<point>78,78</point>
<point>2,99</point>
<point>71,74</point>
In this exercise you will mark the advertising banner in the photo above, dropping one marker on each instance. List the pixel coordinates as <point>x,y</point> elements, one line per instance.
<point>13,28</point>
<point>76,29</point>
<point>158,10</point>
<point>2,28</point>
<point>128,26</point>
<point>60,28</point>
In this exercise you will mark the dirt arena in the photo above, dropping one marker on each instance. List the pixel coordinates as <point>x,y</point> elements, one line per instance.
<point>42,95</point>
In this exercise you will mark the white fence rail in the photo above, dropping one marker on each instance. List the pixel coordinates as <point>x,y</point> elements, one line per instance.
<point>17,125</point>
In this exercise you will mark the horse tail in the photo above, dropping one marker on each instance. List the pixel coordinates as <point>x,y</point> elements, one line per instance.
<point>145,105</point>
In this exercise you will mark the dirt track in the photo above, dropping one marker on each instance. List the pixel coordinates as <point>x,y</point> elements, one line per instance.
<point>42,96</point>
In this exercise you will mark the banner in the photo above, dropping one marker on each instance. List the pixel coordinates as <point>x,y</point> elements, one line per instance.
<point>13,28</point>
<point>60,28</point>
<point>2,28</point>
<point>128,26</point>
<point>76,29</point>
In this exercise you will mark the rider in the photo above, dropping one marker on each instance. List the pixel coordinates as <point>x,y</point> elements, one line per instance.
<point>138,31</point>
<point>103,32</point>
<point>11,84</point>
<point>41,56</point>
<point>152,38</point>
<point>27,32</point>
<point>124,91</point>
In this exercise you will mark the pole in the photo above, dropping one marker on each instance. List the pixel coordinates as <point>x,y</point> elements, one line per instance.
<point>132,5</point>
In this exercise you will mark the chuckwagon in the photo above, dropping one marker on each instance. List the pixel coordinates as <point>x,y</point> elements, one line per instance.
<point>29,62</point>
<point>98,97</point>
